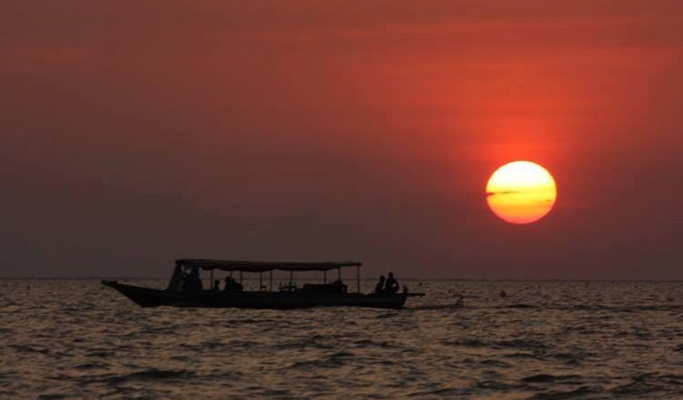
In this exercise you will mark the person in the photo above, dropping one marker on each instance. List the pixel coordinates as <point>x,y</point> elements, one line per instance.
<point>194,282</point>
<point>391,286</point>
<point>379,287</point>
<point>338,287</point>
<point>216,284</point>
<point>232,285</point>
<point>183,280</point>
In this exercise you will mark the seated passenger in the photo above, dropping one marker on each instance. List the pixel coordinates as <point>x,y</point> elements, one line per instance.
<point>338,287</point>
<point>228,283</point>
<point>391,285</point>
<point>379,287</point>
<point>216,284</point>
<point>232,285</point>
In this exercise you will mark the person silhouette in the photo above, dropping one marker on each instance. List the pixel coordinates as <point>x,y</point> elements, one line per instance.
<point>391,286</point>
<point>194,282</point>
<point>232,285</point>
<point>379,287</point>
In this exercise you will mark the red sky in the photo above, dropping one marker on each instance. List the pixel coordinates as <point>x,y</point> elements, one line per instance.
<point>132,134</point>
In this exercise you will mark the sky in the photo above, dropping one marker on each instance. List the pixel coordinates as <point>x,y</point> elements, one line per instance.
<point>133,133</point>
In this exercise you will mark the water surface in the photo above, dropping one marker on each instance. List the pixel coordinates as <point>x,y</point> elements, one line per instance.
<point>544,340</point>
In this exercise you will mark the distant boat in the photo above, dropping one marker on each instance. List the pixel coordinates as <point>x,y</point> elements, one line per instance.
<point>186,289</point>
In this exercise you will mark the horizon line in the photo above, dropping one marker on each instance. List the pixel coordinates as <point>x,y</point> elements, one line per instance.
<point>38,278</point>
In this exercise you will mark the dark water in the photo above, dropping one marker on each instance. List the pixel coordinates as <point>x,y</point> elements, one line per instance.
<point>547,340</point>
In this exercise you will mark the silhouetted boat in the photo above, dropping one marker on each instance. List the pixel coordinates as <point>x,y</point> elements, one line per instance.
<point>185,289</point>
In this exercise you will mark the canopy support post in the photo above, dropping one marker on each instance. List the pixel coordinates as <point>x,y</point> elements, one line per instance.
<point>358,278</point>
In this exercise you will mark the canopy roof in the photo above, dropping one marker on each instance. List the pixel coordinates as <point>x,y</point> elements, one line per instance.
<point>264,266</point>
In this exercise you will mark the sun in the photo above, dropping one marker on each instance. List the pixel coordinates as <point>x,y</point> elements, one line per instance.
<point>521,192</point>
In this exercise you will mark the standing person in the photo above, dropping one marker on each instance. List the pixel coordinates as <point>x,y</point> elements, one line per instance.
<point>379,287</point>
<point>391,285</point>
<point>194,282</point>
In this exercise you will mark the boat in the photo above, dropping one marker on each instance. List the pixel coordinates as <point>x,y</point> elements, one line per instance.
<point>185,288</point>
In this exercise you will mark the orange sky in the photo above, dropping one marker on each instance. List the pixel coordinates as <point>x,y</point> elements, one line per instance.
<point>134,134</point>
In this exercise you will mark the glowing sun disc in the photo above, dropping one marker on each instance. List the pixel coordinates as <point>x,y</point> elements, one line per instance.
<point>521,192</point>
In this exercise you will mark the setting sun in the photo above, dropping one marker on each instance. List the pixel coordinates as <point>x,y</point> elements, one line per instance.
<point>521,192</point>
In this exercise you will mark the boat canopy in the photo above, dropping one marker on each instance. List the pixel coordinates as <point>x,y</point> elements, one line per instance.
<point>264,266</point>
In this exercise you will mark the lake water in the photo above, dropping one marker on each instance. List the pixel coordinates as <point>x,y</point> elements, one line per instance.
<point>544,340</point>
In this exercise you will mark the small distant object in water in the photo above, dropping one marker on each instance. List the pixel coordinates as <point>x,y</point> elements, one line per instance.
<point>502,293</point>
<point>460,303</point>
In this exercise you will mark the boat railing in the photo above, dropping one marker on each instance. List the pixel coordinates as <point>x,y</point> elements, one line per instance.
<point>287,287</point>
<point>337,287</point>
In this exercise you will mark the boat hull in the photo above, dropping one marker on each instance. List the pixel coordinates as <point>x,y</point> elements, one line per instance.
<point>147,297</point>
